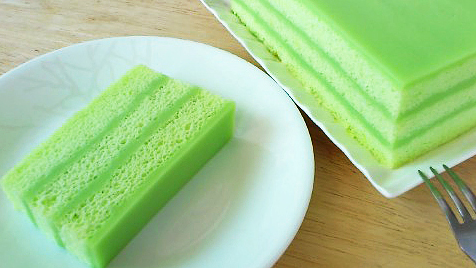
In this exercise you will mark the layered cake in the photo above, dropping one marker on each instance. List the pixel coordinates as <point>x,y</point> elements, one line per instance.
<point>99,178</point>
<point>399,75</point>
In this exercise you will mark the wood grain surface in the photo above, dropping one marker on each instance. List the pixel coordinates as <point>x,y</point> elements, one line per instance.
<point>348,223</point>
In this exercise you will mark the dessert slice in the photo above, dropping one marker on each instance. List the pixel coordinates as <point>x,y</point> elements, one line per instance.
<point>400,76</point>
<point>95,203</point>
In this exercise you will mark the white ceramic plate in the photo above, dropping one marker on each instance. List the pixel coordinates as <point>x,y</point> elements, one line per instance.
<point>389,182</point>
<point>241,210</point>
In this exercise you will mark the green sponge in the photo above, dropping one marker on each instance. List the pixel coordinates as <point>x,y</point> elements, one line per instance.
<point>108,188</point>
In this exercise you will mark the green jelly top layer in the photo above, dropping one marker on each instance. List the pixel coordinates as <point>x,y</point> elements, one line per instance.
<point>409,40</point>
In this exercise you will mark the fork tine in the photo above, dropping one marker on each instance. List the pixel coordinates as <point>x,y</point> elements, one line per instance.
<point>441,201</point>
<point>462,186</point>
<point>459,205</point>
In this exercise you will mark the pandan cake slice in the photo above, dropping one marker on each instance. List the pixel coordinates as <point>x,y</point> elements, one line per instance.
<point>156,133</point>
<point>399,75</point>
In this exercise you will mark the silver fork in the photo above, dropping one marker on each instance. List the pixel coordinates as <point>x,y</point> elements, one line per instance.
<point>465,232</point>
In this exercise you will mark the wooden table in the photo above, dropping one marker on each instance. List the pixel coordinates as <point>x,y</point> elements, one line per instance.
<point>348,224</point>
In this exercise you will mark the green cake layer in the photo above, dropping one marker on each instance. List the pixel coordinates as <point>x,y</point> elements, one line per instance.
<point>106,187</point>
<point>346,67</point>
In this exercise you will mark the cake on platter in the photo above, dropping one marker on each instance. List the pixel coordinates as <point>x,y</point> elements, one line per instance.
<point>399,75</point>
